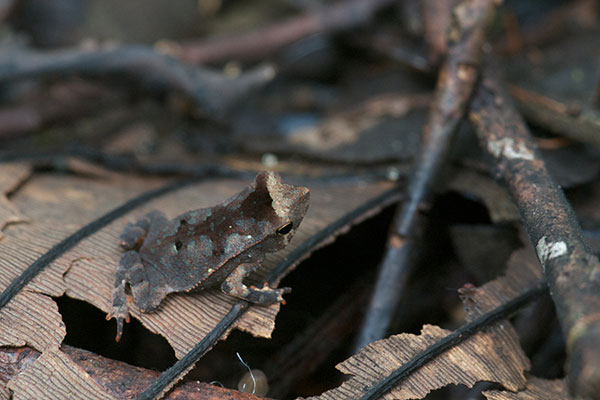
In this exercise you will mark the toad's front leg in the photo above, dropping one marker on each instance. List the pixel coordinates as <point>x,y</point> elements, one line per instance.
<point>121,300</point>
<point>134,233</point>
<point>234,286</point>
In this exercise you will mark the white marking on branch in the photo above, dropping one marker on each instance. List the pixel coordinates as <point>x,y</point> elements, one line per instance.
<point>510,149</point>
<point>549,250</point>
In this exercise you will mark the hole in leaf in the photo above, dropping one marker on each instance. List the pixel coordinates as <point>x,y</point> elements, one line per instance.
<point>88,329</point>
<point>178,245</point>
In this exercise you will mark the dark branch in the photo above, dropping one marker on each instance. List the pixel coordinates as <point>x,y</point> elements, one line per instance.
<point>257,44</point>
<point>455,84</point>
<point>572,272</point>
<point>158,74</point>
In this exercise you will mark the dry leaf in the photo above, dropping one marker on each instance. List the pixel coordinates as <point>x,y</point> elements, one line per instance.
<point>11,176</point>
<point>381,128</point>
<point>483,357</point>
<point>491,355</point>
<point>535,389</point>
<point>31,319</point>
<point>55,376</point>
<point>59,205</point>
<point>522,272</point>
<point>495,197</point>
<point>184,319</point>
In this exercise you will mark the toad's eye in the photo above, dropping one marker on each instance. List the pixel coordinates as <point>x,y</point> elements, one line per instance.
<point>287,228</point>
<point>178,245</point>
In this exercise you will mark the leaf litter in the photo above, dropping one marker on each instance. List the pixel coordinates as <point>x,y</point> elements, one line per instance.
<point>60,204</point>
<point>13,174</point>
<point>535,389</point>
<point>493,354</point>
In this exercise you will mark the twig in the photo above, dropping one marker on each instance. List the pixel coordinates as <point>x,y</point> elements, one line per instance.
<point>394,45</point>
<point>572,272</point>
<point>159,74</point>
<point>259,43</point>
<point>55,159</point>
<point>553,24</point>
<point>573,120</point>
<point>61,102</point>
<point>436,18</point>
<point>455,84</point>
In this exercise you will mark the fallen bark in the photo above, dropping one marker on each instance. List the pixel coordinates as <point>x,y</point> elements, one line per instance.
<point>572,272</point>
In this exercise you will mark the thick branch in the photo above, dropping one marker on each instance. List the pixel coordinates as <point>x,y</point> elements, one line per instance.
<point>573,274</point>
<point>455,84</point>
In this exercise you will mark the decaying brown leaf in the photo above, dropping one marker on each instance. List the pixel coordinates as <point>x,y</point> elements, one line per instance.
<point>492,355</point>
<point>109,374</point>
<point>346,128</point>
<point>380,128</point>
<point>32,317</point>
<point>496,198</point>
<point>485,356</point>
<point>58,205</point>
<point>535,389</point>
<point>522,272</point>
<point>55,375</point>
<point>11,176</point>
<point>185,319</point>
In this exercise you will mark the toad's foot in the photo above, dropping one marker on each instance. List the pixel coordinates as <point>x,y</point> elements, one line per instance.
<point>120,314</point>
<point>120,299</point>
<point>234,286</point>
<point>266,295</point>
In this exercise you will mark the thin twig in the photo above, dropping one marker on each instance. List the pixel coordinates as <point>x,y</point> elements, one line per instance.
<point>62,102</point>
<point>573,120</point>
<point>257,44</point>
<point>455,84</point>
<point>436,20</point>
<point>572,272</point>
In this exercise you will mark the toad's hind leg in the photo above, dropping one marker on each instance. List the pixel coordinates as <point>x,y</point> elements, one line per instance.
<point>233,285</point>
<point>120,303</point>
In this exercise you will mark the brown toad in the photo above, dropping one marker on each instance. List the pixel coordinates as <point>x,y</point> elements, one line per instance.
<point>208,247</point>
